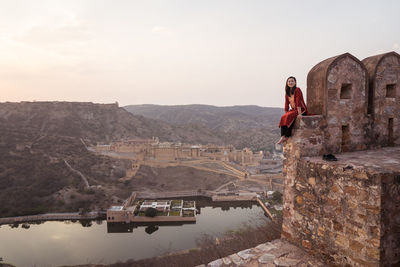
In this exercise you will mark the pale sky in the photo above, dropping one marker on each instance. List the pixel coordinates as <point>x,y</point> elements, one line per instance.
<point>171,52</point>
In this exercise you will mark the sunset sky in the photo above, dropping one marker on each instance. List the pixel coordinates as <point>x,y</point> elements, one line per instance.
<point>180,52</point>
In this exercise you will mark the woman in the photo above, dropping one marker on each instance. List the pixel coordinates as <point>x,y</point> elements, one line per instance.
<point>294,99</point>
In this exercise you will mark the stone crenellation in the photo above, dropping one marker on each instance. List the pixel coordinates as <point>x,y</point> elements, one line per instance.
<point>347,210</point>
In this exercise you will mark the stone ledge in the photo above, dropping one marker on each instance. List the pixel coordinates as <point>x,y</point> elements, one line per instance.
<point>383,160</point>
<point>275,253</point>
<point>309,122</point>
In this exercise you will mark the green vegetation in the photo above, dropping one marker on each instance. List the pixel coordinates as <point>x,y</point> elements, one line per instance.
<point>277,197</point>
<point>174,213</point>
<point>176,203</point>
<point>162,213</point>
<point>188,213</point>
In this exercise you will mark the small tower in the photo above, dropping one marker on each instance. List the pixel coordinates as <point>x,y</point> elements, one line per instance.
<point>384,98</point>
<point>337,89</point>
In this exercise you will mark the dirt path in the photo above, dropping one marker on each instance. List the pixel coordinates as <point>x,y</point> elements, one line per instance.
<point>83,177</point>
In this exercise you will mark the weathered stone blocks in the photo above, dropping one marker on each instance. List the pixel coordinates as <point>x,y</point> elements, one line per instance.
<point>343,214</point>
<point>384,98</point>
<point>347,210</point>
<point>337,89</point>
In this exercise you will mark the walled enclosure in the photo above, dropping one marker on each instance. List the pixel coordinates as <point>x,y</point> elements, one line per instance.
<point>349,210</point>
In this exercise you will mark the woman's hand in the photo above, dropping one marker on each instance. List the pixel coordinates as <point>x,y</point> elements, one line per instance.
<point>299,113</point>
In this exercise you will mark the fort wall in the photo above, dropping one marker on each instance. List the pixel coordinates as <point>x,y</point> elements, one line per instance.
<point>152,149</point>
<point>347,210</point>
<point>383,100</point>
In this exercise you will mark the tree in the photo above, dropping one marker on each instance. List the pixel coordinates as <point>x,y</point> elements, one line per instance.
<point>151,212</point>
<point>277,196</point>
<point>151,229</point>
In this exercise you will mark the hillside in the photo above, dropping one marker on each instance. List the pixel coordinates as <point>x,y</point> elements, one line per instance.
<point>216,118</point>
<point>94,122</point>
<point>243,126</point>
<point>40,140</point>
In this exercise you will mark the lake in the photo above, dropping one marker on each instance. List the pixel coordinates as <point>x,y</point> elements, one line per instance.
<point>55,243</point>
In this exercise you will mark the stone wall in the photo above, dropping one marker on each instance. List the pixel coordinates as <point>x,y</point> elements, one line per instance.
<point>383,101</point>
<point>337,89</point>
<point>336,213</point>
<point>307,139</point>
<point>349,210</point>
<point>390,218</point>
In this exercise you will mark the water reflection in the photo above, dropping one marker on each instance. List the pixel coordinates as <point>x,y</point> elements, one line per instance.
<point>72,243</point>
<point>86,223</point>
<point>201,202</point>
<point>129,227</point>
<point>151,229</point>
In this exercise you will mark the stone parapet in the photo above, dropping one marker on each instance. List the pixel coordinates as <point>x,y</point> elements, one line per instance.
<point>346,210</point>
<point>383,100</point>
<point>274,253</point>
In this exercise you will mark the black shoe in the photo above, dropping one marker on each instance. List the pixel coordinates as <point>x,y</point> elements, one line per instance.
<point>348,168</point>
<point>329,157</point>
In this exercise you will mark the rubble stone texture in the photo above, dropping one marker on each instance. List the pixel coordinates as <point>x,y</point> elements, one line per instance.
<point>274,253</point>
<point>348,210</point>
<point>337,89</point>
<point>384,93</point>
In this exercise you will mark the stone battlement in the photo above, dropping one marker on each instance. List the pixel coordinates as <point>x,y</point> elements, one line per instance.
<point>357,101</point>
<point>347,210</point>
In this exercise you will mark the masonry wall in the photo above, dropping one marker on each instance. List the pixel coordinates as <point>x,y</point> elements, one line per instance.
<point>346,106</point>
<point>337,213</point>
<point>390,219</point>
<point>348,213</point>
<point>384,99</point>
<point>337,89</point>
<point>307,139</point>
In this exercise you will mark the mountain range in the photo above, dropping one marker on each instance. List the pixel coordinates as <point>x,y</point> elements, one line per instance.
<point>242,126</point>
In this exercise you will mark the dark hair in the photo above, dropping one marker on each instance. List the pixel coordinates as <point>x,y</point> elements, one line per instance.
<point>287,88</point>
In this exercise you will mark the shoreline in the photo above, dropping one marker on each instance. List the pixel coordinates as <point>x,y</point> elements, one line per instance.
<point>93,215</point>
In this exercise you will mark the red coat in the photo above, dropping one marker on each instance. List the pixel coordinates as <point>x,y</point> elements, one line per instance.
<point>290,114</point>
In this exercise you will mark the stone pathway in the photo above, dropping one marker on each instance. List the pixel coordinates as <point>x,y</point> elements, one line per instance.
<point>274,253</point>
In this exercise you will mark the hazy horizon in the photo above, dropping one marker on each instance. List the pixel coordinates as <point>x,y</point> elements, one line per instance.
<point>145,104</point>
<point>220,53</point>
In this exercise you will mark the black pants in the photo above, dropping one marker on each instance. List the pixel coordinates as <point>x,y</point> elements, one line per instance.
<point>287,131</point>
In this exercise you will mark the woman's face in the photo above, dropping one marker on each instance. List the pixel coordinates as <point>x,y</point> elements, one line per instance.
<point>291,82</point>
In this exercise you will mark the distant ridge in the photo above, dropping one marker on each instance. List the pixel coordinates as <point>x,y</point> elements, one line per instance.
<point>90,121</point>
<point>243,126</point>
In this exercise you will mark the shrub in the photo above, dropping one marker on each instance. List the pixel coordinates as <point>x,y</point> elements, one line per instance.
<point>151,212</point>
<point>277,196</point>
<point>174,213</point>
